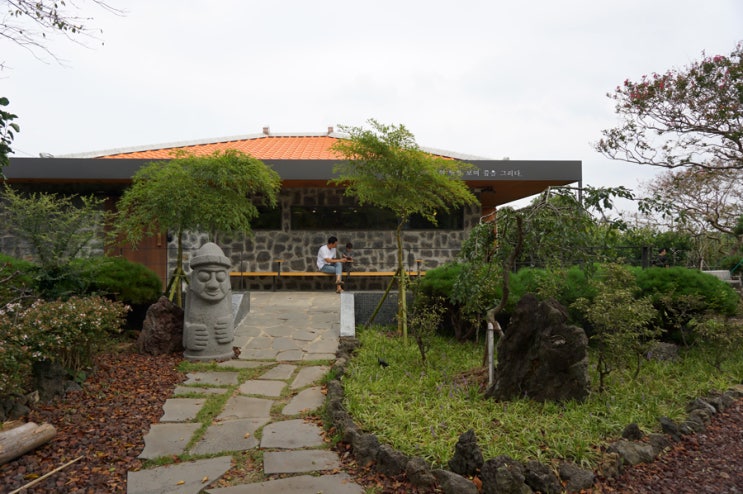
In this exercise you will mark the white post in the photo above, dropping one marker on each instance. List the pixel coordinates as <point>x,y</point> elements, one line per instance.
<point>490,353</point>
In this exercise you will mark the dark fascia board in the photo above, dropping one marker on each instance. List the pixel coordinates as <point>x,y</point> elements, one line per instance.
<point>106,170</point>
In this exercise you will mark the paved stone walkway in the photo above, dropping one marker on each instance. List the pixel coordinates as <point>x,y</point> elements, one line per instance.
<point>287,341</point>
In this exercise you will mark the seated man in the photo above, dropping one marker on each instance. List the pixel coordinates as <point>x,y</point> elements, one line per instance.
<point>329,262</point>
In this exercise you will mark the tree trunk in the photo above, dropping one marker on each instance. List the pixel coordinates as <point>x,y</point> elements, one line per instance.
<point>16,442</point>
<point>402,305</point>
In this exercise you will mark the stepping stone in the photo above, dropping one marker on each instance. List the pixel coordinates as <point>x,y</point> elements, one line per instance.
<point>308,460</point>
<point>233,435</point>
<point>280,372</point>
<point>181,409</point>
<point>308,400</point>
<point>167,439</point>
<point>309,375</point>
<point>291,434</point>
<point>303,484</point>
<point>290,356</point>
<point>323,345</point>
<point>309,357</point>
<point>279,331</point>
<point>212,378</point>
<point>243,364</point>
<point>244,407</point>
<point>167,478</point>
<point>304,335</point>
<point>263,388</point>
<point>258,354</point>
<point>184,390</point>
<point>283,344</point>
<point>260,342</point>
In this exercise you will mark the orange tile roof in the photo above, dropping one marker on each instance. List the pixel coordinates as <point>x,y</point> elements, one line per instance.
<point>267,147</point>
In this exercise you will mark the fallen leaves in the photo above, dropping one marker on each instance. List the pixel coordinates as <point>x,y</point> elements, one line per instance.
<point>104,423</point>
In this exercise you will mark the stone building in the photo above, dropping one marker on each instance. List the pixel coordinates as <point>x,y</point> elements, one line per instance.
<point>309,210</point>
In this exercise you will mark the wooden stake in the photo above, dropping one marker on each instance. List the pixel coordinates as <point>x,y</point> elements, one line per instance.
<point>36,481</point>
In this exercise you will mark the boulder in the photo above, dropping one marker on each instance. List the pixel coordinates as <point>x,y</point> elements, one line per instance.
<point>467,458</point>
<point>633,452</point>
<point>575,478</point>
<point>541,356</point>
<point>419,473</point>
<point>452,483</point>
<point>390,462</point>
<point>50,379</point>
<point>541,478</point>
<point>162,330</point>
<point>632,432</point>
<point>504,475</point>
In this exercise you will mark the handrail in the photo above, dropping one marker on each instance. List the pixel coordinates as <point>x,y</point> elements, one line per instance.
<point>740,263</point>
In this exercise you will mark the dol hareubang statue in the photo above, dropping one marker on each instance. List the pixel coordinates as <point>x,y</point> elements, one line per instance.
<point>208,328</point>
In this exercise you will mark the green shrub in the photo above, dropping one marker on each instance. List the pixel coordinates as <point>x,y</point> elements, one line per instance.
<point>16,278</point>
<point>15,365</point>
<point>439,282</point>
<point>123,280</point>
<point>67,332</point>
<point>722,338</point>
<point>668,285</point>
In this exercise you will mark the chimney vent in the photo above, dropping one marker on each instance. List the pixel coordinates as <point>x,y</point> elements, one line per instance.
<point>267,130</point>
<point>330,130</point>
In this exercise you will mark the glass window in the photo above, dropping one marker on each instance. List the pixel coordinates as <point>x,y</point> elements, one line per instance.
<point>366,218</point>
<point>268,218</point>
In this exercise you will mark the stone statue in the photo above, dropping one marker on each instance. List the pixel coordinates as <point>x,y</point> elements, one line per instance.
<point>208,329</point>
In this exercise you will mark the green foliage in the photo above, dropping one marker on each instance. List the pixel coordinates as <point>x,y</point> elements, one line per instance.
<point>16,280</point>
<point>125,281</point>
<point>451,283</point>
<point>733,263</point>
<point>56,227</point>
<point>559,227</point>
<point>714,295</point>
<point>424,321</point>
<point>722,338</point>
<point>622,323</point>
<point>564,285</point>
<point>439,281</point>
<point>208,193</point>
<point>217,193</point>
<point>422,410</point>
<point>8,129</point>
<point>386,168</point>
<point>66,332</point>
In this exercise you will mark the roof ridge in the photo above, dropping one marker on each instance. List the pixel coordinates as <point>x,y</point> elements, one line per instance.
<point>246,137</point>
<point>198,142</point>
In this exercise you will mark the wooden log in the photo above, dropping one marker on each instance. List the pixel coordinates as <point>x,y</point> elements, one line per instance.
<point>19,440</point>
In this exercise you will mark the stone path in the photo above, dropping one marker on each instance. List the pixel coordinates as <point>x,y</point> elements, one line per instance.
<point>288,341</point>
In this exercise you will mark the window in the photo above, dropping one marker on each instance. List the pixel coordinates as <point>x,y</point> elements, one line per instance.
<point>366,218</point>
<point>268,218</point>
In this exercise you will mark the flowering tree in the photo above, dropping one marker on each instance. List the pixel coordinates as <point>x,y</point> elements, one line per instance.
<point>689,121</point>
<point>692,117</point>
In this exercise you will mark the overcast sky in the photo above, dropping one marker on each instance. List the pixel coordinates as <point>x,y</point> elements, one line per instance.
<point>524,80</point>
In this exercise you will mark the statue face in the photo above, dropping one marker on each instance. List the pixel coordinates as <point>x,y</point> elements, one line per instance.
<point>211,283</point>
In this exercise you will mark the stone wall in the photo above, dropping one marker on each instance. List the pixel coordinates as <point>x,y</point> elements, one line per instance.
<point>374,250</point>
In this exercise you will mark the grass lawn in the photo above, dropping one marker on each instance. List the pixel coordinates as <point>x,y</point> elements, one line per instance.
<point>423,409</point>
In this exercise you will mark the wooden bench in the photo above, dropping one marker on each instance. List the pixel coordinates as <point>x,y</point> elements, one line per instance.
<point>280,273</point>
